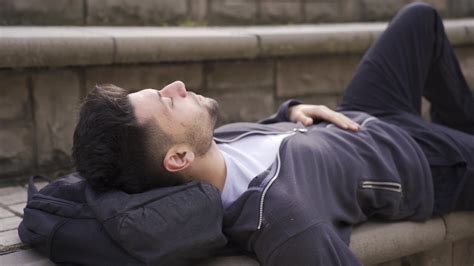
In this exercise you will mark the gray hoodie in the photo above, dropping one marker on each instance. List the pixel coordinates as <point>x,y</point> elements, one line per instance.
<point>324,180</point>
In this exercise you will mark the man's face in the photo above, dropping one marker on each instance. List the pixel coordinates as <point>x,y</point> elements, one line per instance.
<point>185,116</point>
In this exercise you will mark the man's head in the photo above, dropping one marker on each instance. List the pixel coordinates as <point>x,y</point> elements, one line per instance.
<point>141,140</point>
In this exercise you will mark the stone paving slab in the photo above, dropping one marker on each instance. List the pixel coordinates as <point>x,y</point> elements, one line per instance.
<point>17,208</point>
<point>5,213</point>
<point>9,223</point>
<point>9,241</point>
<point>25,257</point>
<point>17,197</point>
<point>5,191</point>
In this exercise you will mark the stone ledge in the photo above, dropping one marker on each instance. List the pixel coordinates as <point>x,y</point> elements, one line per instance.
<point>22,47</point>
<point>378,242</point>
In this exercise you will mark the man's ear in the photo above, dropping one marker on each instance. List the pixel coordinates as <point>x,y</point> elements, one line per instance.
<point>178,158</point>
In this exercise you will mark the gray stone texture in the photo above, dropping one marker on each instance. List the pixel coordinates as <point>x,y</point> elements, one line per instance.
<point>250,106</point>
<point>332,11</point>
<point>53,46</point>
<point>307,40</point>
<point>9,238</point>
<point>17,208</point>
<point>461,8</point>
<point>153,44</point>
<point>281,11</point>
<point>198,10</point>
<point>16,150</point>
<point>466,60</point>
<point>228,12</point>
<point>210,12</point>
<point>377,242</point>
<point>14,104</point>
<point>43,12</point>
<point>463,252</point>
<point>9,223</point>
<point>299,77</point>
<point>28,257</point>
<point>440,255</point>
<point>441,5</point>
<point>375,10</point>
<point>5,213</point>
<point>142,77</point>
<point>132,12</point>
<point>56,96</point>
<point>459,225</point>
<point>12,195</point>
<point>240,75</point>
<point>330,101</point>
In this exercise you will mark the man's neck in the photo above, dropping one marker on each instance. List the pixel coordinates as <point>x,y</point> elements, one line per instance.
<point>210,168</point>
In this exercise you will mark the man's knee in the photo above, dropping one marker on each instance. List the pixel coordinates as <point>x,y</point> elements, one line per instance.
<point>419,10</point>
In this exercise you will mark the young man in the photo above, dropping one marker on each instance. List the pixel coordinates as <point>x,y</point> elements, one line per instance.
<point>292,188</point>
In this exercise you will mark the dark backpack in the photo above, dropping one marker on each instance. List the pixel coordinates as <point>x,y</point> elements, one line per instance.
<point>70,223</point>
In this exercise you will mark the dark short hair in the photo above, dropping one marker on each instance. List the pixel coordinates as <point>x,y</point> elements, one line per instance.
<point>111,149</point>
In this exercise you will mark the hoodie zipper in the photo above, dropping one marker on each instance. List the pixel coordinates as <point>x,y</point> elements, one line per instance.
<point>272,180</point>
<point>390,186</point>
<point>261,133</point>
<point>262,197</point>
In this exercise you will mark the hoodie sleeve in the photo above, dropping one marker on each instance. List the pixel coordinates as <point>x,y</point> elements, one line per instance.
<point>317,245</point>
<point>282,113</point>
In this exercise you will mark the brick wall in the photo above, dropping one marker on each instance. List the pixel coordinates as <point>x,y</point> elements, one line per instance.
<point>38,107</point>
<point>210,12</point>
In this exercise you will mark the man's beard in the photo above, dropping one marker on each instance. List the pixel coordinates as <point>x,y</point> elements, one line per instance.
<point>200,135</point>
<point>213,110</point>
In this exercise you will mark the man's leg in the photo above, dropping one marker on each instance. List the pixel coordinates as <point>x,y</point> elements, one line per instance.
<point>413,57</point>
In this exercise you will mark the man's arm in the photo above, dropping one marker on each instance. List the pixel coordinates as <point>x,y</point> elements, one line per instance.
<point>317,245</point>
<point>282,114</point>
<point>295,111</point>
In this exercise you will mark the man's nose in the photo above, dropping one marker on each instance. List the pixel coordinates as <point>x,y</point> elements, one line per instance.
<point>176,88</point>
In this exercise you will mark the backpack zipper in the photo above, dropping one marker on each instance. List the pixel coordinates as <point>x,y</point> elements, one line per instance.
<point>51,199</point>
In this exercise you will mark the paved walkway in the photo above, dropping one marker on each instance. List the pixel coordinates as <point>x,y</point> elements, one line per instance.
<point>12,250</point>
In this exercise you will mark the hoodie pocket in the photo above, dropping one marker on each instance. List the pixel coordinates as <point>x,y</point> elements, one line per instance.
<point>381,199</point>
<point>389,186</point>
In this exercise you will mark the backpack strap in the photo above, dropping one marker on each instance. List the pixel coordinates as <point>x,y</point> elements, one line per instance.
<point>32,189</point>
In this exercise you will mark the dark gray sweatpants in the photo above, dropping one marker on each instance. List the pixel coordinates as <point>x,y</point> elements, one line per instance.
<point>411,59</point>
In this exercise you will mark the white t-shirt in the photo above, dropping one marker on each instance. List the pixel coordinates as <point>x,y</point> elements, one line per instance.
<point>245,159</point>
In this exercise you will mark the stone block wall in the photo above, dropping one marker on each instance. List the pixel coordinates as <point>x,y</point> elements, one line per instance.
<point>210,12</point>
<point>38,107</point>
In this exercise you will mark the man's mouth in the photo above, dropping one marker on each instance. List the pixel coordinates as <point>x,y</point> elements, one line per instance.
<point>198,98</point>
